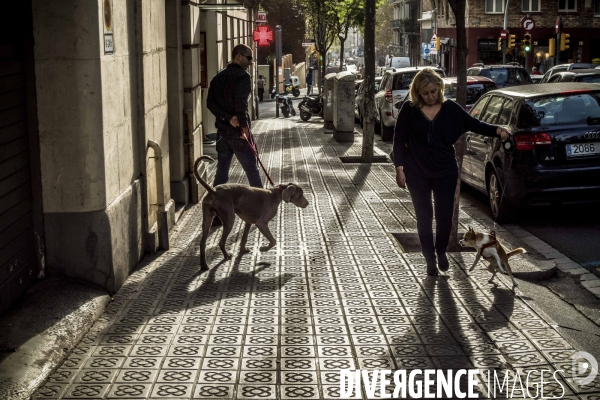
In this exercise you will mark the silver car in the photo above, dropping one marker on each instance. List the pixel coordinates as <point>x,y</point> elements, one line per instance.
<point>394,87</point>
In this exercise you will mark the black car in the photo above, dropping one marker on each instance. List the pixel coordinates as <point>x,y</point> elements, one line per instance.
<point>502,75</point>
<point>556,137</point>
<point>577,75</point>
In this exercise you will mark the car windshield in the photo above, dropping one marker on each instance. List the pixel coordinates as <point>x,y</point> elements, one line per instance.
<point>560,109</point>
<point>474,92</point>
<point>402,81</point>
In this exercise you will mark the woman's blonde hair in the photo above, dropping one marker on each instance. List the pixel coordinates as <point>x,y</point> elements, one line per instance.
<point>423,78</point>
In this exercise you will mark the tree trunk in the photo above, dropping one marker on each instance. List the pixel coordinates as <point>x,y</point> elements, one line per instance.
<point>342,41</point>
<point>369,82</point>
<point>323,71</point>
<point>458,7</point>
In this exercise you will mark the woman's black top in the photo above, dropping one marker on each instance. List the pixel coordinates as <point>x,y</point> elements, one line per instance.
<point>427,147</point>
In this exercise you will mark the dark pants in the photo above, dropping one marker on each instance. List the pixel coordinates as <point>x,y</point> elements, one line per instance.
<point>420,189</point>
<point>226,148</point>
<point>261,92</point>
<point>308,88</point>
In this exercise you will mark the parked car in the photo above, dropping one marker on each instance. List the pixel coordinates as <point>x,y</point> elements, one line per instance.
<point>565,67</point>
<point>358,101</point>
<point>394,86</point>
<point>556,136</point>
<point>536,78</point>
<point>576,75</point>
<point>502,75</point>
<point>477,86</point>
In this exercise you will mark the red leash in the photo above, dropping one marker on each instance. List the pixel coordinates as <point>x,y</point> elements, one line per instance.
<point>253,147</point>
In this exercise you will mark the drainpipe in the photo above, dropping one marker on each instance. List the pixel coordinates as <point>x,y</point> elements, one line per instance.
<point>161,214</point>
<point>189,122</point>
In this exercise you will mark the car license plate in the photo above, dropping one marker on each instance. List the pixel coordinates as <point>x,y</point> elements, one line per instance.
<point>583,149</point>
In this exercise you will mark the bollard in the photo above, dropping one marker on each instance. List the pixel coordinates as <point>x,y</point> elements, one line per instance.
<point>343,107</point>
<point>328,101</point>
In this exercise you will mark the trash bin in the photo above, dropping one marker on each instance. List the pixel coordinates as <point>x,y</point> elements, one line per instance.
<point>328,100</point>
<point>343,106</point>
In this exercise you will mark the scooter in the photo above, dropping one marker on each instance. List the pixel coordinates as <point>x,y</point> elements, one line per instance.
<point>293,86</point>
<point>284,102</point>
<point>311,105</point>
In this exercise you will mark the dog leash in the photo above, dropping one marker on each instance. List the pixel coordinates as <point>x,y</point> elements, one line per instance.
<point>253,147</point>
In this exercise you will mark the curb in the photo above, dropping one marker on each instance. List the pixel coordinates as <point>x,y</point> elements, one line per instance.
<point>40,331</point>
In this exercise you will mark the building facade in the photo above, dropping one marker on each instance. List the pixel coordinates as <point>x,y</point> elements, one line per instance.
<point>102,114</point>
<point>485,20</point>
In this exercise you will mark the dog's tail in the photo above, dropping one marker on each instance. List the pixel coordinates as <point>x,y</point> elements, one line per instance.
<point>198,161</point>
<point>514,252</point>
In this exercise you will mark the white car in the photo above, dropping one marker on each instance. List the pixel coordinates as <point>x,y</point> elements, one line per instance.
<point>394,87</point>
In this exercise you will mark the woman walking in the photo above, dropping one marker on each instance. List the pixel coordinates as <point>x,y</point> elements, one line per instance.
<point>428,125</point>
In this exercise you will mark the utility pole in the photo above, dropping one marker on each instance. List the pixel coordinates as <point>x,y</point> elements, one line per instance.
<point>369,83</point>
<point>278,65</point>
<point>505,40</point>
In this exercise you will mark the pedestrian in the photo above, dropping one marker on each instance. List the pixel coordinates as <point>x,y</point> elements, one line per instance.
<point>534,71</point>
<point>228,101</point>
<point>309,79</point>
<point>260,84</point>
<point>427,127</point>
<point>361,71</point>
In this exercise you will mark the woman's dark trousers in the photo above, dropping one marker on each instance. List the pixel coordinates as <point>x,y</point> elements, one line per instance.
<point>420,189</point>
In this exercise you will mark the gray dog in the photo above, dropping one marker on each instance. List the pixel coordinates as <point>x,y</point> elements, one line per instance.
<point>253,205</point>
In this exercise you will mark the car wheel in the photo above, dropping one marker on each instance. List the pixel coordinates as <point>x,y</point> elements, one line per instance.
<point>387,133</point>
<point>501,210</point>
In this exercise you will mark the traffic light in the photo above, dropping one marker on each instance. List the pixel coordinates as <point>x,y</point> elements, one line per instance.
<point>438,44</point>
<point>564,41</point>
<point>499,44</point>
<point>552,47</point>
<point>511,41</point>
<point>527,42</point>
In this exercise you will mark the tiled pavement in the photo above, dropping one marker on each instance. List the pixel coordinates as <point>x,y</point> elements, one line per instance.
<point>335,293</point>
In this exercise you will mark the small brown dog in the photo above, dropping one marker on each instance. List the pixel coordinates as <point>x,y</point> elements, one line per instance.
<point>493,252</point>
<point>253,205</point>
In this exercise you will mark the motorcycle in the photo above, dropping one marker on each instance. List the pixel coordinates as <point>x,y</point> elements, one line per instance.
<point>311,105</point>
<point>287,106</point>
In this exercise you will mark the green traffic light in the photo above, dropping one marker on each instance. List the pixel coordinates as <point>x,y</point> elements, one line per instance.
<point>527,48</point>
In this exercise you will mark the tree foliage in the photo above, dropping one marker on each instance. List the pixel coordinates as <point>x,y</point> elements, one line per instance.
<point>384,34</point>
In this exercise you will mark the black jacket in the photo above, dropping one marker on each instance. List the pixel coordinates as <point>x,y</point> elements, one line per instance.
<point>228,96</point>
<point>427,147</point>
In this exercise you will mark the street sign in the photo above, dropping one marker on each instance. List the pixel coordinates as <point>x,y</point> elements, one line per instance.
<point>261,17</point>
<point>427,51</point>
<point>308,42</point>
<point>528,23</point>
<point>503,33</point>
<point>433,38</point>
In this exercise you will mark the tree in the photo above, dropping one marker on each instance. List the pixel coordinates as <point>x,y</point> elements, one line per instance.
<point>384,35</point>
<point>459,9</point>
<point>351,14</point>
<point>322,20</point>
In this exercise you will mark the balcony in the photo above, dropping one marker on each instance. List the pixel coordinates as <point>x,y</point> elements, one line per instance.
<point>406,25</point>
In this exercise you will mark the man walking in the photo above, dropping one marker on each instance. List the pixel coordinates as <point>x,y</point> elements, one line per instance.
<point>228,100</point>
<point>309,81</point>
<point>260,84</point>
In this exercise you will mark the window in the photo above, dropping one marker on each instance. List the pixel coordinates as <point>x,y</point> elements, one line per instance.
<point>567,5</point>
<point>476,111</point>
<point>530,6</point>
<point>495,6</point>
<point>492,110</point>
<point>596,8</point>
<point>504,117</point>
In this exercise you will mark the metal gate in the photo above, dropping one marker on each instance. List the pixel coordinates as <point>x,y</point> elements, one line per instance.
<point>18,262</point>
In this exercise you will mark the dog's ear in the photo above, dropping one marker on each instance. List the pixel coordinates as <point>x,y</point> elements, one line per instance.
<point>288,193</point>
